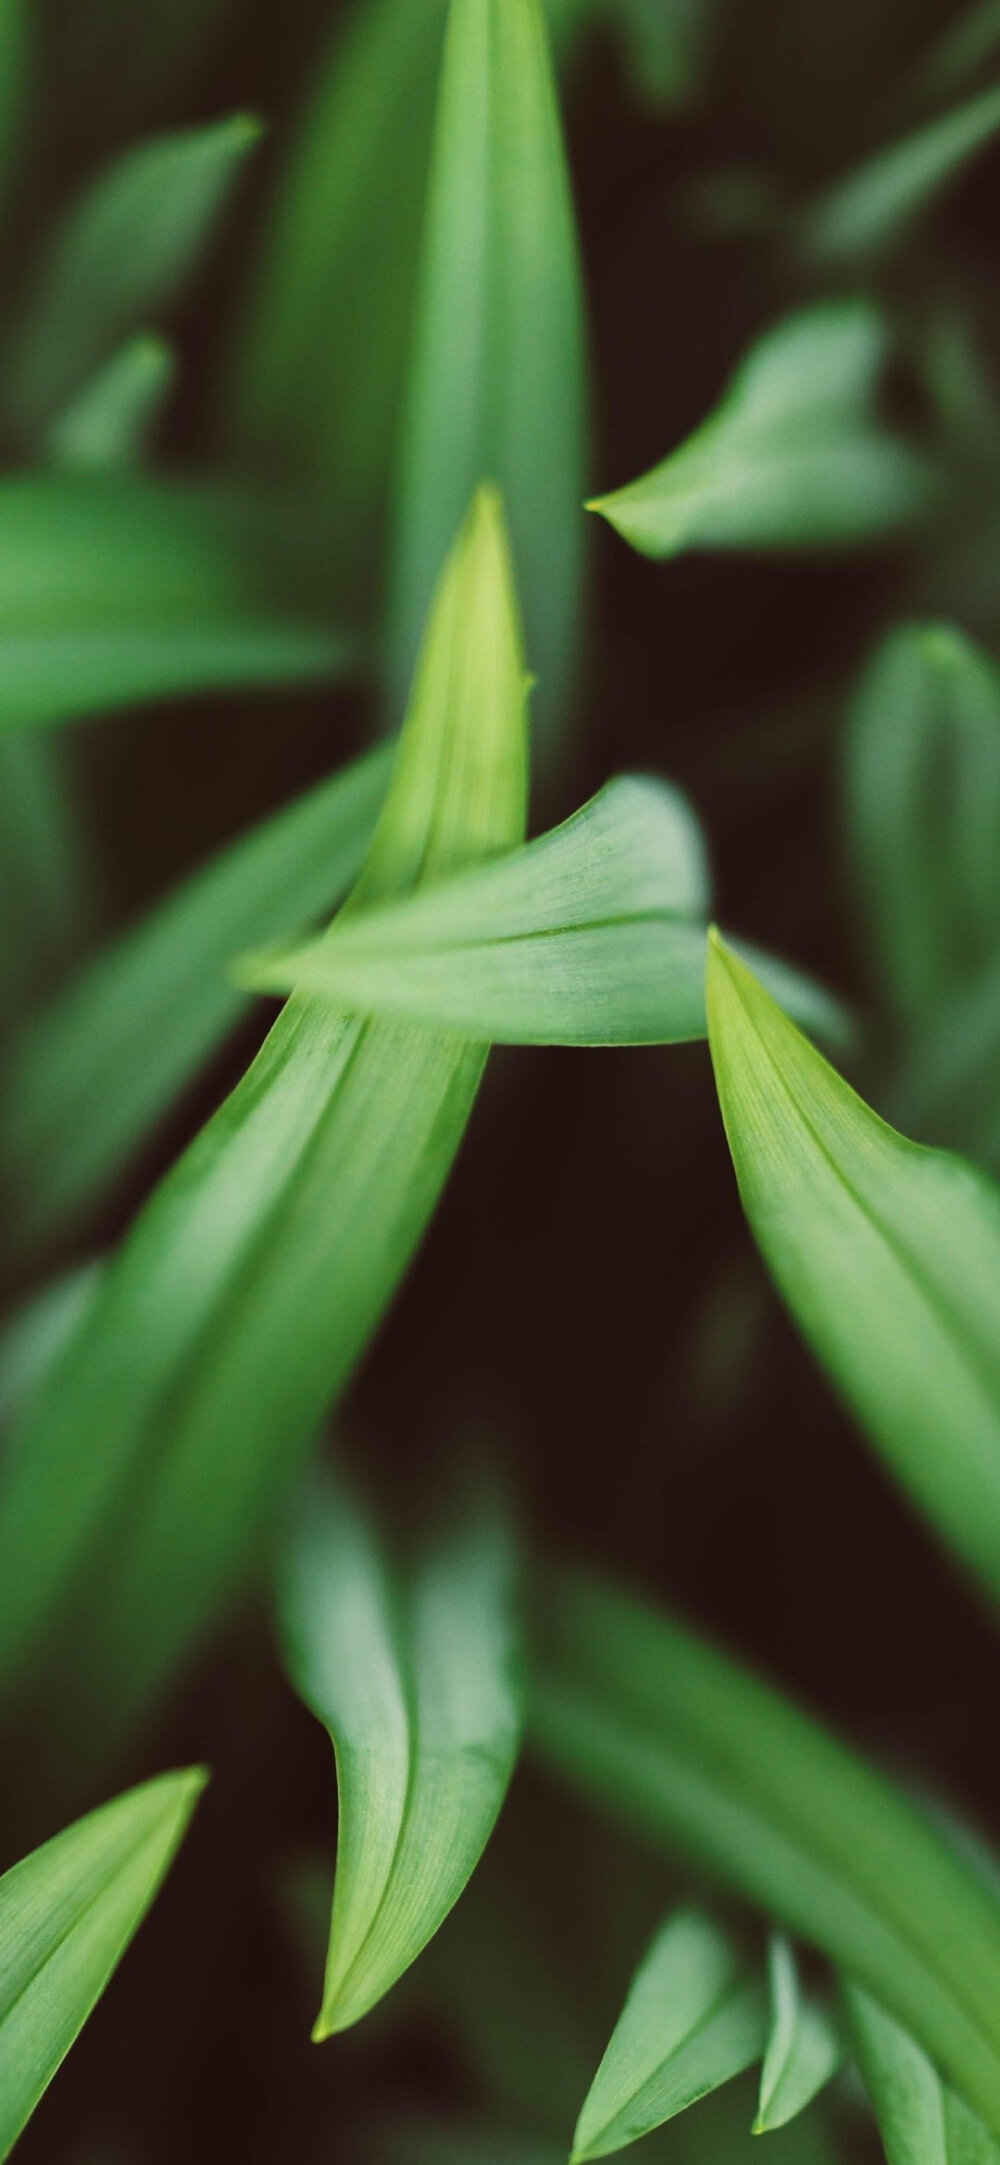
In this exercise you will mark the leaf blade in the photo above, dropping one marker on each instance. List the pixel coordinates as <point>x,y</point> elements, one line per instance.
<point>803,2050</point>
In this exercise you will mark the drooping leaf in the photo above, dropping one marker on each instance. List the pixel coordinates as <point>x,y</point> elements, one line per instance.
<point>803,2049</point>
<point>594,934</point>
<point>318,373</point>
<point>644,1715</point>
<point>693,2019</point>
<point>415,1677</point>
<point>256,1274</point>
<point>887,1254</point>
<point>67,1914</point>
<point>873,209</point>
<point>794,457</point>
<point>118,263</point>
<point>152,1008</point>
<point>922,789</point>
<point>920,2118</point>
<point>495,385</point>
<point>106,426</point>
<point>117,591</point>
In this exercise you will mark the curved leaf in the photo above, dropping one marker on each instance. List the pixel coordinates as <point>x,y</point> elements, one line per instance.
<point>694,2018</point>
<point>700,1754</point>
<point>887,1254</point>
<point>873,209</point>
<point>803,2049</point>
<point>414,1678</point>
<point>794,457</point>
<point>67,1914</point>
<point>920,2119</point>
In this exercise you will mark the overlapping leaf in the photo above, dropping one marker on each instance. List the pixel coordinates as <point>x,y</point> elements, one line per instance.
<point>693,1749</point>
<point>67,1914</point>
<point>887,1254</point>
<point>152,1008</point>
<point>496,372</point>
<point>415,1677</point>
<point>803,2049</point>
<point>117,591</point>
<point>254,1277</point>
<point>921,2119</point>
<point>794,457</point>
<point>693,2019</point>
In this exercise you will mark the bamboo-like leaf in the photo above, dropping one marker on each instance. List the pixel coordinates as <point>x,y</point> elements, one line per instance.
<point>67,1914</point>
<point>794,457</point>
<point>922,777</point>
<point>416,1681</point>
<point>692,1748</point>
<point>921,2119</point>
<point>874,208</point>
<point>591,935</point>
<point>107,425</point>
<point>803,2049</point>
<point>318,373</point>
<point>254,1277</point>
<point>152,1008</point>
<point>496,373</point>
<point>118,591</point>
<point>119,261</point>
<point>888,1256</point>
<point>693,2019</point>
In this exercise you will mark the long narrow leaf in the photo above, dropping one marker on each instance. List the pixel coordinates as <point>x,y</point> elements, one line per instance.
<point>153,1007</point>
<point>415,1679</point>
<point>887,1254</point>
<point>794,457</point>
<point>496,375</point>
<point>113,592</point>
<point>641,1713</point>
<point>67,1914</point>
<point>258,1271</point>
<point>920,2118</point>
<point>119,261</point>
<point>803,2049</point>
<point>693,2019</point>
<point>874,208</point>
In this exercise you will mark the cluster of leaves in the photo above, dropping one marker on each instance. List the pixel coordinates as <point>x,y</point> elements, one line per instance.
<point>377,476</point>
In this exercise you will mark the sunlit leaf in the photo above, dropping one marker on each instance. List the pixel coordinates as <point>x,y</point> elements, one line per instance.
<point>920,2118</point>
<point>592,935</point>
<point>693,2019</point>
<point>414,1676</point>
<point>256,1274</point>
<point>496,372</point>
<point>67,1914</point>
<point>803,2049</point>
<point>794,457</point>
<point>697,1752</point>
<point>106,427</point>
<point>874,208</point>
<point>887,1254</point>
<point>119,261</point>
<point>153,1007</point>
<point>922,787</point>
<point>118,591</point>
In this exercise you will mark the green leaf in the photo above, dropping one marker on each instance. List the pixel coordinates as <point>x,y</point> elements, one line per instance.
<point>945,1086</point>
<point>697,1752</point>
<point>117,591</point>
<point>46,877</point>
<point>591,935</point>
<point>921,2120</point>
<point>922,791</point>
<point>794,457</point>
<point>152,1008</point>
<point>668,42</point>
<point>251,1282</point>
<point>319,368</point>
<point>887,1254</point>
<point>67,1914</point>
<point>119,261</point>
<point>496,379</point>
<point>415,1678</point>
<point>803,2049</point>
<point>693,2019</point>
<point>874,209</point>
<point>107,425</point>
